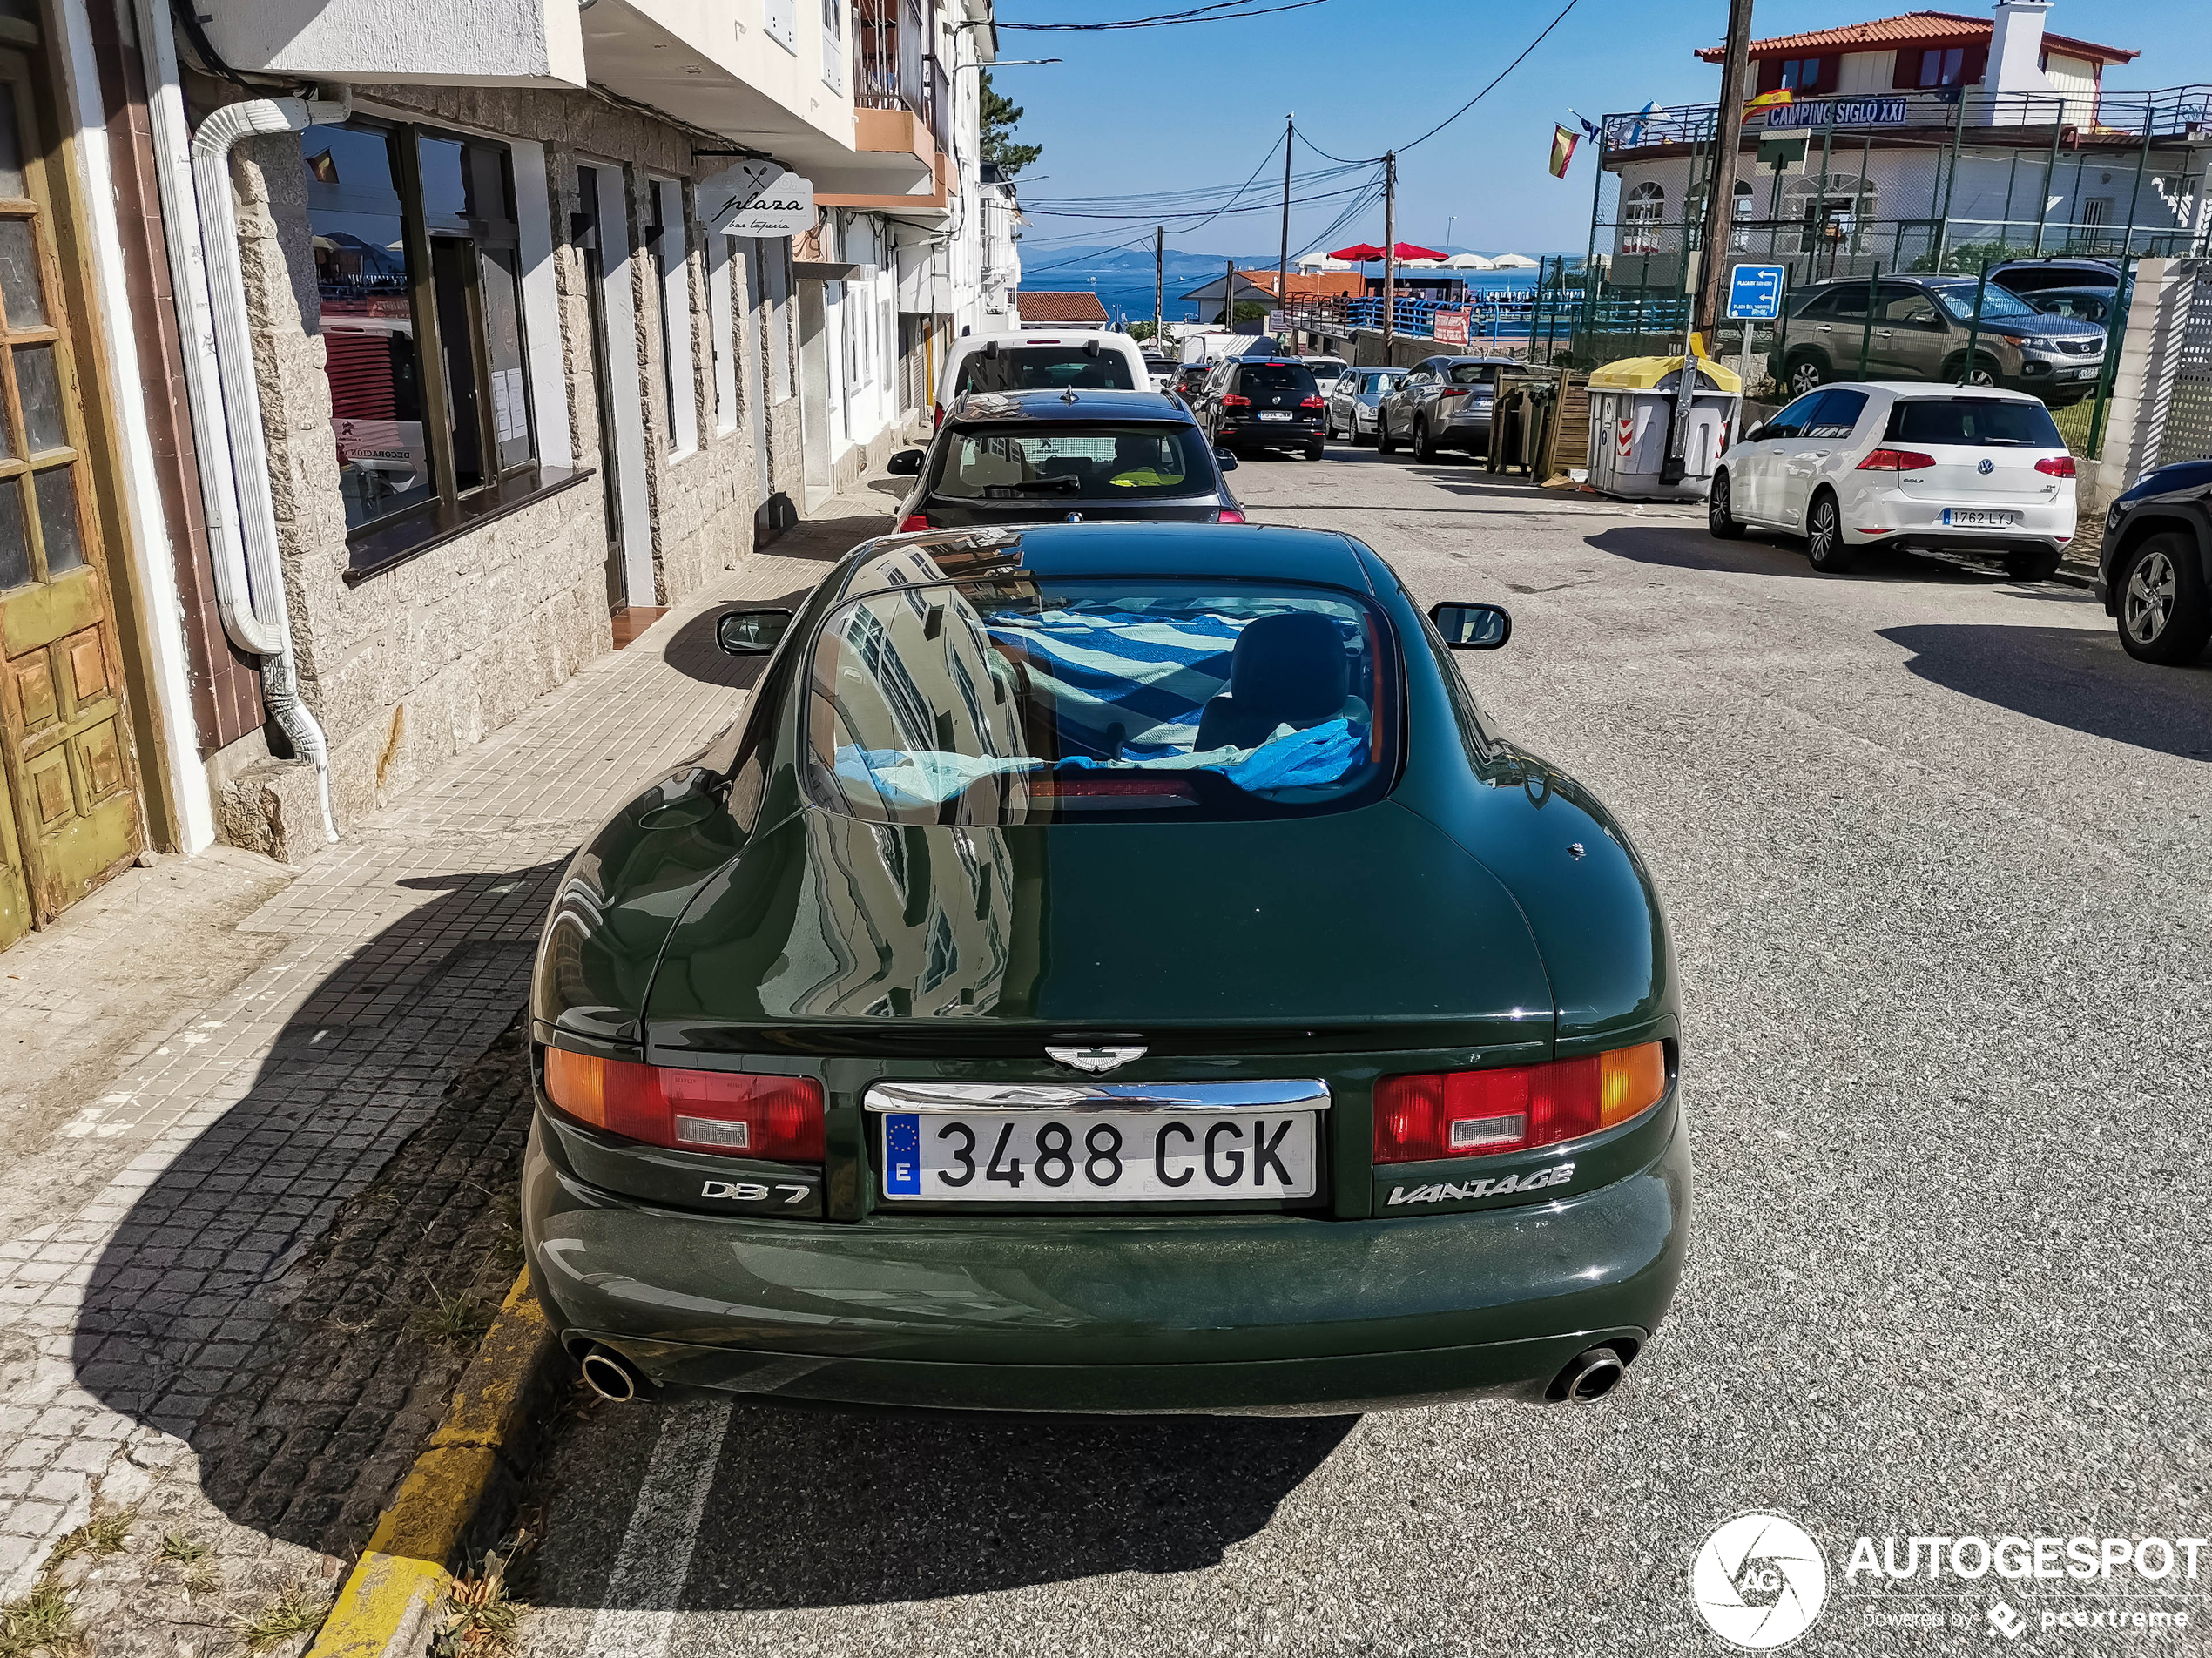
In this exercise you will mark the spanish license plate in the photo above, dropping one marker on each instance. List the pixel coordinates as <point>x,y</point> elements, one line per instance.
<point>1966,518</point>
<point>1275,413</point>
<point>1100,1156</point>
<point>2081,373</point>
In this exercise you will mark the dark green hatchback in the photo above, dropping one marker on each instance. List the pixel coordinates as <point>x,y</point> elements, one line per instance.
<point>1109,967</point>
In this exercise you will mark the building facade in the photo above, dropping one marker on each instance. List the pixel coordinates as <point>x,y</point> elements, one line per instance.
<point>1923,141</point>
<point>374,373</point>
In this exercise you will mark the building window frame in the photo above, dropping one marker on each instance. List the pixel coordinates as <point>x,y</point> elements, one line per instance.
<point>1943,66</point>
<point>667,237</point>
<point>1801,74</point>
<point>470,352</point>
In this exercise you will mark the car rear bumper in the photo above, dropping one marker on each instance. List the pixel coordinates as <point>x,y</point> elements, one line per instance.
<point>1227,1313</point>
<point>1263,432</point>
<point>1893,516</point>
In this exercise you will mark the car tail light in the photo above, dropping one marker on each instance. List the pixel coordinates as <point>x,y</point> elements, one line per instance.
<point>1514,1108</point>
<point>936,415</point>
<point>1229,516</point>
<point>2057,466</point>
<point>1231,400</point>
<point>913,521</point>
<point>1896,460</point>
<point>778,1118</point>
<point>1311,402</point>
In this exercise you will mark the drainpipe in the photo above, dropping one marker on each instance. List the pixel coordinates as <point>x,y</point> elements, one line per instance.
<point>221,387</point>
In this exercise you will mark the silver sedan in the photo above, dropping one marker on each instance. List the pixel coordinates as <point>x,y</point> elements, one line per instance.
<point>1353,401</point>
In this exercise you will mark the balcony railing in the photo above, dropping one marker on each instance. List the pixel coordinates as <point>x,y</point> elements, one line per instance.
<point>893,68</point>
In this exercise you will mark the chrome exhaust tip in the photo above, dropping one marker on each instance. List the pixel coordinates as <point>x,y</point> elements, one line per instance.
<point>613,1377</point>
<point>1590,1376</point>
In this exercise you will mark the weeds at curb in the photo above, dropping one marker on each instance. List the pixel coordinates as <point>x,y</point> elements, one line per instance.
<point>39,1623</point>
<point>298,1610</point>
<point>185,1551</point>
<point>480,1617</point>
<point>452,1320</point>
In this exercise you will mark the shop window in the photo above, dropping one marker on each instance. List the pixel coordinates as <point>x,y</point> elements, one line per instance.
<point>417,263</point>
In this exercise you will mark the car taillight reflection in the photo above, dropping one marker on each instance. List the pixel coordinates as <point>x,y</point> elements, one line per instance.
<point>737,1115</point>
<point>1514,1108</point>
<point>913,521</point>
<point>1229,516</point>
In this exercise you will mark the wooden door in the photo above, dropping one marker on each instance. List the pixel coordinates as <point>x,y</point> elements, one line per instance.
<point>65,744</point>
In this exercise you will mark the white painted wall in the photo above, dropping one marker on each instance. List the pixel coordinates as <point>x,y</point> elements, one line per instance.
<point>423,43</point>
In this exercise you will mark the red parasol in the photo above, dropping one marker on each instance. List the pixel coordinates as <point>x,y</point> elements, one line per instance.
<point>1359,253</point>
<point>1408,251</point>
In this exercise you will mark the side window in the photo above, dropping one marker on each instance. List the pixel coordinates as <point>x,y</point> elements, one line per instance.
<point>1846,304</point>
<point>1820,307</point>
<point>1905,307</point>
<point>1837,414</point>
<point>1791,422</point>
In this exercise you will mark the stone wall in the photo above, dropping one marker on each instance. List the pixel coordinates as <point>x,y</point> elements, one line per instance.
<point>414,663</point>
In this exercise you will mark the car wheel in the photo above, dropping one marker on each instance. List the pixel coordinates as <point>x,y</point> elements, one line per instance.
<point>1983,372</point>
<point>2038,566</point>
<point>2165,613</point>
<point>1385,444</point>
<point>1719,519</point>
<point>1805,374</point>
<point>1313,450</point>
<point>1824,537</point>
<point>1424,451</point>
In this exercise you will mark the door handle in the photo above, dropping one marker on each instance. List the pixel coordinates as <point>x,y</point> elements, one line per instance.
<point>1826,328</point>
<point>1882,333</point>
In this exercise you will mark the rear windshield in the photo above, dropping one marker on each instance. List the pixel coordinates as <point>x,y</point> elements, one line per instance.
<point>1015,700</point>
<point>1089,462</point>
<point>1973,420</point>
<point>1044,368</point>
<point>1474,374</point>
<point>1278,377</point>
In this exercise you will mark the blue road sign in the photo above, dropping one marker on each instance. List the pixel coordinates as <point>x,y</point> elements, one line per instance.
<point>1755,293</point>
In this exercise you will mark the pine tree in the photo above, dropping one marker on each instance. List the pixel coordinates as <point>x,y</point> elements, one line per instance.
<point>996,114</point>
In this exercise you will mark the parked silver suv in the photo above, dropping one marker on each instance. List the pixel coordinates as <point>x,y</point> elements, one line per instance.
<point>1918,328</point>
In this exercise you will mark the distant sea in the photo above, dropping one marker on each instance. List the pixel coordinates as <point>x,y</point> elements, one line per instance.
<point>1122,278</point>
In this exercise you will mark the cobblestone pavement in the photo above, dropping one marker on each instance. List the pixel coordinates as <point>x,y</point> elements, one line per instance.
<point>167,1230</point>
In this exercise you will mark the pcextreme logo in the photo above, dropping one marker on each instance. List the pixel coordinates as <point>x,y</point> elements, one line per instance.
<point>1759,1581</point>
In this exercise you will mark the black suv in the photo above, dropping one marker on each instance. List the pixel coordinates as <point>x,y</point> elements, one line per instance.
<point>1023,457</point>
<point>1251,403</point>
<point>2155,567</point>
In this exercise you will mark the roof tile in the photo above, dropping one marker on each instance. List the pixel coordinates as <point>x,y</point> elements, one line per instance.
<point>1911,27</point>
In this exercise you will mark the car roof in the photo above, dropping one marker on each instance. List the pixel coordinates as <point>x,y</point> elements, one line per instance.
<point>1075,403</point>
<point>1910,390</point>
<point>1046,335</point>
<point>1247,552</point>
<point>1472,358</point>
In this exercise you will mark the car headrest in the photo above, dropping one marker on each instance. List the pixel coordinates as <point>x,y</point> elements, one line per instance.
<point>1290,665</point>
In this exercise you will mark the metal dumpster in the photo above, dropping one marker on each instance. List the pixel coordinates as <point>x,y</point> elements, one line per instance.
<point>1630,404</point>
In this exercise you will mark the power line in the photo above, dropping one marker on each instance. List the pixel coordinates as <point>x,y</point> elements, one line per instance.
<point>1500,75</point>
<point>1219,212</point>
<point>1223,11</point>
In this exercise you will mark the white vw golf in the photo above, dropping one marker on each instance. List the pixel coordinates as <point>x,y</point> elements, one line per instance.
<point>1908,465</point>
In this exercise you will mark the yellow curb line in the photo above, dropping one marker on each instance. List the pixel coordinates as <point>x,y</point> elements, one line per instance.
<point>401,1573</point>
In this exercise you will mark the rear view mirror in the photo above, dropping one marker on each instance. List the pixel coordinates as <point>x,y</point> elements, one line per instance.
<point>1471,627</point>
<point>906,463</point>
<point>750,633</point>
<point>1224,460</point>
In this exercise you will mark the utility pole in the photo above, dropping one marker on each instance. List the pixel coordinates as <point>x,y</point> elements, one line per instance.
<point>1229,296</point>
<point>1720,199</point>
<point>1283,255</point>
<point>1159,282</point>
<point>1390,250</point>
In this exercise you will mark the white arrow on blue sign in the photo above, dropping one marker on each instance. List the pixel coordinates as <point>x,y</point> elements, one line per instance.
<point>1755,293</point>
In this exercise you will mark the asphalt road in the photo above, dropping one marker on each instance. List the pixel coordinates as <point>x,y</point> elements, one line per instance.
<point>1935,853</point>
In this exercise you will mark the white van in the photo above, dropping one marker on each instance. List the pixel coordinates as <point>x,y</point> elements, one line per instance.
<point>1039,360</point>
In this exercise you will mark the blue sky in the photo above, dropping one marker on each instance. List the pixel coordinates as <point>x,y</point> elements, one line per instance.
<point>1164,109</point>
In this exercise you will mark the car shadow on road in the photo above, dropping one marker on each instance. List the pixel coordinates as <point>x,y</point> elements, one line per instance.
<point>1690,547</point>
<point>294,1290</point>
<point>857,1509</point>
<point>2073,677</point>
<point>694,650</point>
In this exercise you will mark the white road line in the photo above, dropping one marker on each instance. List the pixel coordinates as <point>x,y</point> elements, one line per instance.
<point>638,1613</point>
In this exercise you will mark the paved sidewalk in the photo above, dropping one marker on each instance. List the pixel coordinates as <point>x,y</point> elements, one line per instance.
<point>148,1231</point>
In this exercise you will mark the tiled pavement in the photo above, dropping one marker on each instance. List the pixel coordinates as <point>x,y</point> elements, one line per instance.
<point>129,1294</point>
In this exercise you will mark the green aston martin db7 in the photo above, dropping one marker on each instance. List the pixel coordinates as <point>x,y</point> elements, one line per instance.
<point>1108,968</point>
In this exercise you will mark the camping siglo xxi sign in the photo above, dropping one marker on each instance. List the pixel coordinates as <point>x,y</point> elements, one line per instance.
<point>1840,112</point>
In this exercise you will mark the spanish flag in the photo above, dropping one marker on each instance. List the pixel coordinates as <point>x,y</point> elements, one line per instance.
<point>1768,101</point>
<point>1563,142</point>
